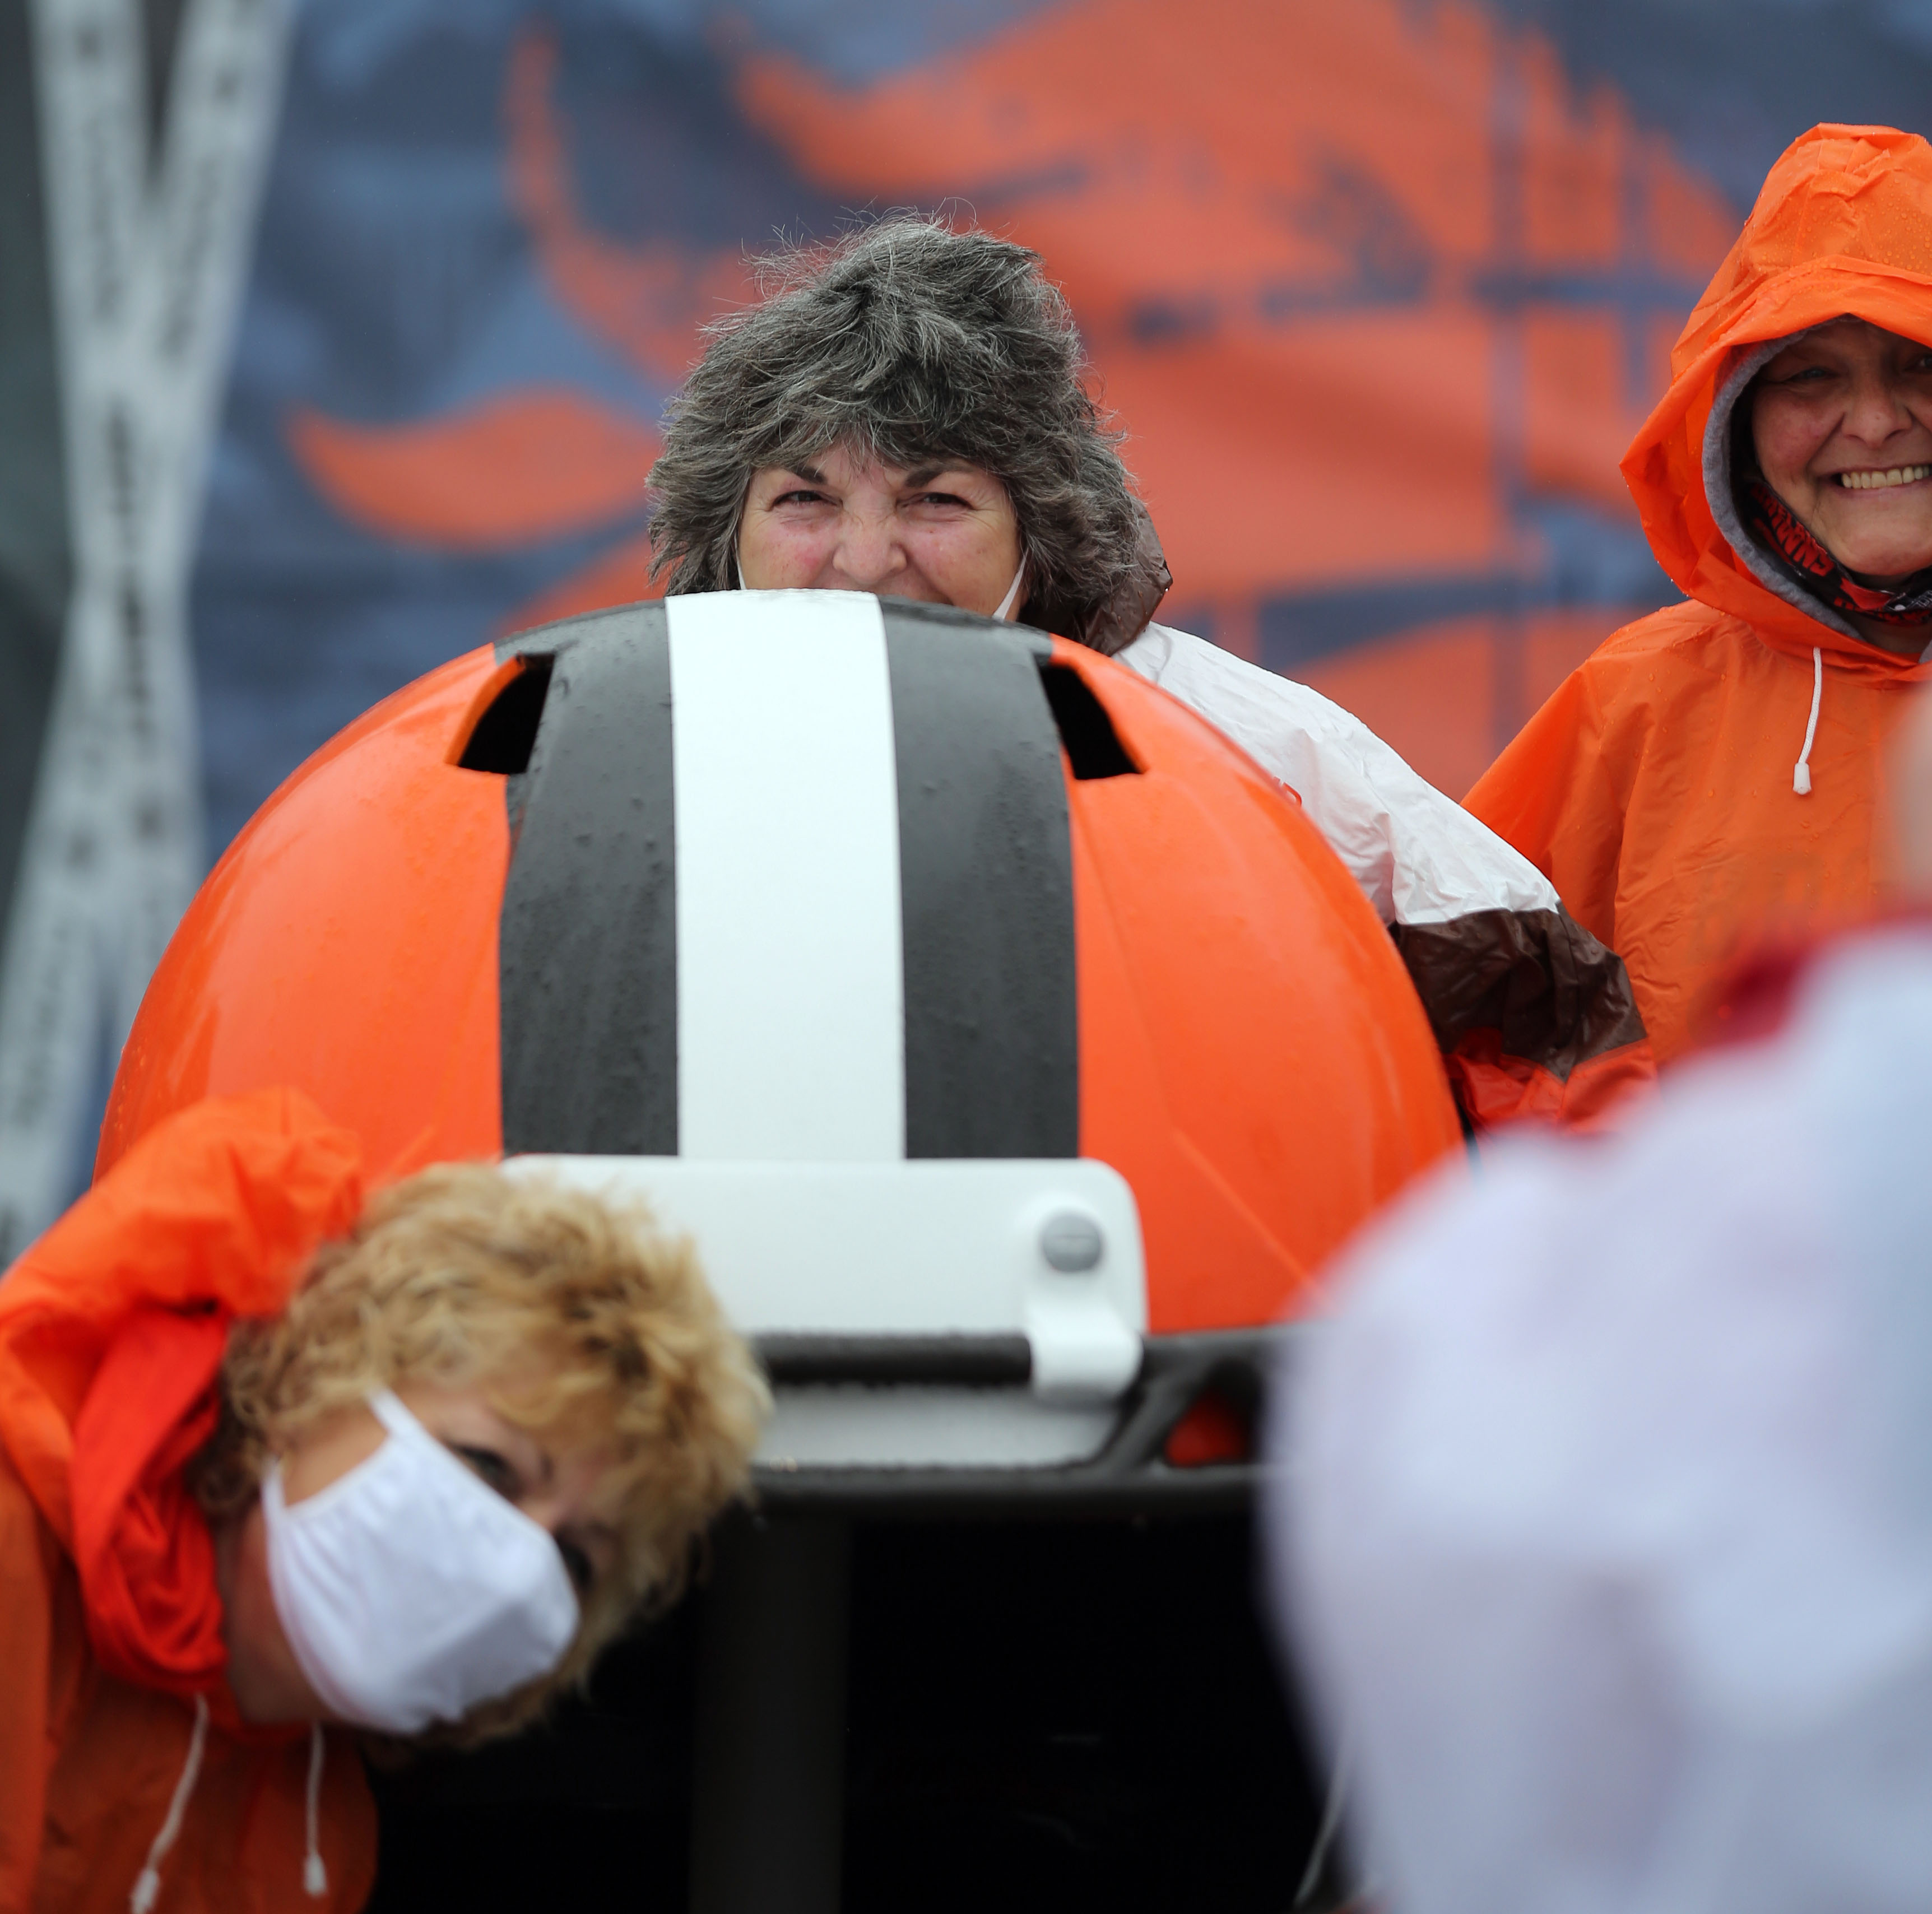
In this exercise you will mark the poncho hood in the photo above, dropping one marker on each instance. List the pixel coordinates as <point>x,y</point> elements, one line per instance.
<point>1843,226</point>
<point>112,1327</point>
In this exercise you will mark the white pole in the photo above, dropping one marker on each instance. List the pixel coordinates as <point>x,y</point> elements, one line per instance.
<point>148,267</point>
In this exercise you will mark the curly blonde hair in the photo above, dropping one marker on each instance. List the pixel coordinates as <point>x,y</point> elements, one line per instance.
<point>576,1318</point>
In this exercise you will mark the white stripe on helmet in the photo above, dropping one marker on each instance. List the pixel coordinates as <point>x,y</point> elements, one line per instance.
<point>791,1018</point>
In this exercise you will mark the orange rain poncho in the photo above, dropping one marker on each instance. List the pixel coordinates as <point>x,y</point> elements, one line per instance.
<point>1656,789</point>
<point>112,1330</point>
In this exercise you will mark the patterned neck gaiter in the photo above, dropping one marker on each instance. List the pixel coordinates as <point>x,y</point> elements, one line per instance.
<point>1783,539</point>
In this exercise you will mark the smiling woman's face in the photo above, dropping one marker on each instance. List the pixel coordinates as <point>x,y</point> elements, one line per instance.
<point>941,534</point>
<point>1842,423</point>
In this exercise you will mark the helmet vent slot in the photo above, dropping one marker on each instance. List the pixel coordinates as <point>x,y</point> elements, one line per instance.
<point>1094,747</point>
<point>502,738</point>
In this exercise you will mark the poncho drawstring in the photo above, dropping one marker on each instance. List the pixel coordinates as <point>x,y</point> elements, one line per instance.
<point>1801,772</point>
<point>148,1883</point>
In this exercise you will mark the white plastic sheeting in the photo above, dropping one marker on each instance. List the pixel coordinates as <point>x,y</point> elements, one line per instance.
<point>1419,856</point>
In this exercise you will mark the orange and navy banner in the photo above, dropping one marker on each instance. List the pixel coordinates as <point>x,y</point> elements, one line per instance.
<point>1380,291</point>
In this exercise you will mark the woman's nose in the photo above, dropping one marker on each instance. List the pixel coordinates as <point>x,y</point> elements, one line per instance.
<point>870,551</point>
<point>1877,408</point>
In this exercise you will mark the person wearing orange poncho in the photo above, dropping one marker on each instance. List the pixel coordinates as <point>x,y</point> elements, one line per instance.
<point>1711,779</point>
<point>523,1404</point>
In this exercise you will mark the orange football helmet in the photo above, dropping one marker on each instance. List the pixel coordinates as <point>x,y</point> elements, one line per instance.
<point>827,892</point>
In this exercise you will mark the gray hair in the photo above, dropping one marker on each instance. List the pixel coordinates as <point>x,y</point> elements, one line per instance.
<point>910,341</point>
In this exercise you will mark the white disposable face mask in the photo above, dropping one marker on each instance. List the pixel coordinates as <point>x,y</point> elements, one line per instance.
<point>409,1590</point>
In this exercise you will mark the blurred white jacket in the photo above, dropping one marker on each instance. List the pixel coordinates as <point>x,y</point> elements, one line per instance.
<point>1604,1527</point>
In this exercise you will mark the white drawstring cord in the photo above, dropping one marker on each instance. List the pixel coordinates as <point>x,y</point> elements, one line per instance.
<point>315,1875</point>
<point>148,1885</point>
<point>1801,772</point>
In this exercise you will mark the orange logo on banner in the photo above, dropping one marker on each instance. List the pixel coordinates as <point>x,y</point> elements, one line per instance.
<point>1368,286</point>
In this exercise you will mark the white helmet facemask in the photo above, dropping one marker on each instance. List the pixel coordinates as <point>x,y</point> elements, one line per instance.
<point>409,1590</point>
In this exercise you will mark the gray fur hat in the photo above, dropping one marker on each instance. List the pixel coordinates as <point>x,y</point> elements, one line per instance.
<point>909,341</point>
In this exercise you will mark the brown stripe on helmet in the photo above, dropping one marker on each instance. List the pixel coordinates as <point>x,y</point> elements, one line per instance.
<point>992,1043</point>
<point>589,933</point>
